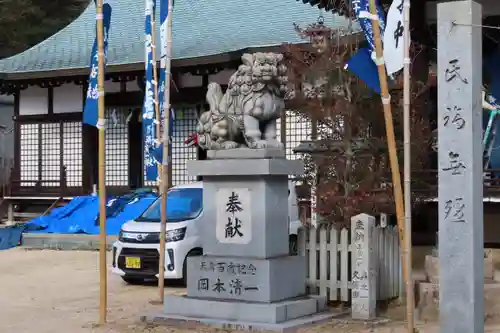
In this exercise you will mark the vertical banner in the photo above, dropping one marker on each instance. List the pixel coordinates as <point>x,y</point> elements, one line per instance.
<point>91,108</point>
<point>163,74</point>
<point>148,110</point>
<point>393,38</point>
<point>152,149</point>
<point>362,10</point>
<point>362,63</point>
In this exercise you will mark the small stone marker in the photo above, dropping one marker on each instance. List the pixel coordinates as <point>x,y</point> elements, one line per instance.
<point>461,280</point>
<point>364,274</point>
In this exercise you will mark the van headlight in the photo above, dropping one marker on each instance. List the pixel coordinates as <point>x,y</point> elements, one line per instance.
<point>124,236</point>
<point>175,235</point>
<point>139,237</point>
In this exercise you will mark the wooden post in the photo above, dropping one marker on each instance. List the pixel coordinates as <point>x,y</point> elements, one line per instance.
<point>166,154</point>
<point>407,168</point>
<point>389,126</point>
<point>102,185</point>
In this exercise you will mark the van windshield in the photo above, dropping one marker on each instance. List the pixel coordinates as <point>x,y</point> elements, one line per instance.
<point>182,204</point>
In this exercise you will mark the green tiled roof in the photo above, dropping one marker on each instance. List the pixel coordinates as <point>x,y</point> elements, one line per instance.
<point>200,28</point>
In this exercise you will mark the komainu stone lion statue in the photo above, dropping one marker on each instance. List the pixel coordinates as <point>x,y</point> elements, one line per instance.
<point>245,116</point>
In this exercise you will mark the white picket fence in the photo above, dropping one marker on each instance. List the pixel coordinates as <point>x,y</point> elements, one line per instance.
<point>328,254</point>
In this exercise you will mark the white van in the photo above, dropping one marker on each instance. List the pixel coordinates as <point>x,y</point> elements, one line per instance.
<point>136,252</point>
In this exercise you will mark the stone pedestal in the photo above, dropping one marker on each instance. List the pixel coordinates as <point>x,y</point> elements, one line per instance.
<point>246,277</point>
<point>428,301</point>
<point>428,291</point>
<point>432,268</point>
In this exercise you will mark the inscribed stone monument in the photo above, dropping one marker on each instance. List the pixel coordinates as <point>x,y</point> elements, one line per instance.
<point>246,277</point>
<point>364,273</point>
<point>460,167</point>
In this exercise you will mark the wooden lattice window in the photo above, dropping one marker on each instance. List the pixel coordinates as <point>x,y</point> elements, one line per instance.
<point>116,143</point>
<point>29,154</point>
<point>41,157</point>
<point>73,153</point>
<point>186,119</point>
<point>50,154</point>
<point>298,129</point>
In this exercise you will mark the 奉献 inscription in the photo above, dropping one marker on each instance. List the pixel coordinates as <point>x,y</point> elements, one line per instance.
<point>234,224</point>
<point>233,216</point>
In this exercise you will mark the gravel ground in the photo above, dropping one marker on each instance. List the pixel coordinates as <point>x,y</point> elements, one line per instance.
<point>58,292</point>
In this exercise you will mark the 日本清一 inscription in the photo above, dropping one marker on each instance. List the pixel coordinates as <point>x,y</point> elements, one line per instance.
<point>216,277</point>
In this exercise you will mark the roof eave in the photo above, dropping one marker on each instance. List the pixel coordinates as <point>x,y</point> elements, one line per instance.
<point>123,68</point>
<point>334,6</point>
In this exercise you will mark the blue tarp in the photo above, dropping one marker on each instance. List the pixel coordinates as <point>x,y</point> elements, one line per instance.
<point>10,237</point>
<point>80,215</point>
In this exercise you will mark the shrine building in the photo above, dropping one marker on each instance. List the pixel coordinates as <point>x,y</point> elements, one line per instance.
<point>55,155</point>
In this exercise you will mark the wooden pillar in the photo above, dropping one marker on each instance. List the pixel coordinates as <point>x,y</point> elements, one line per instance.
<point>89,151</point>
<point>16,171</point>
<point>136,170</point>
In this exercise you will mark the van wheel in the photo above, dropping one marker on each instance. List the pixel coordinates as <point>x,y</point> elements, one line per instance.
<point>192,253</point>
<point>132,280</point>
<point>292,241</point>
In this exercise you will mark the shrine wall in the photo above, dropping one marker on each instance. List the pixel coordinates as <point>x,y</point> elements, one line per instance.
<point>68,98</point>
<point>33,101</point>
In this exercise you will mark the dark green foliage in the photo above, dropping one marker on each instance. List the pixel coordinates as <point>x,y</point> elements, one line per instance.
<point>24,23</point>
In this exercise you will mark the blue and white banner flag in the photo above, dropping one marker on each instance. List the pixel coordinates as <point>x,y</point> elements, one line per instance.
<point>153,149</point>
<point>163,75</point>
<point>90,111</point>
<point>149,122</point>
<point>362,63</point>
<point>362,10</point>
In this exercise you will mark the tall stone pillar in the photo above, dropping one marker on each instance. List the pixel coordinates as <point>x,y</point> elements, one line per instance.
<point>246,276</point>
<point>461,247</point>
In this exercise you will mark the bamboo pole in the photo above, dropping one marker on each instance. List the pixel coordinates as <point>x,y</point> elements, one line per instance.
<point>102,165</point>
<point>407,168</point>
<point>155,87</point>
<point>166,158</point>
<point>389,126</point>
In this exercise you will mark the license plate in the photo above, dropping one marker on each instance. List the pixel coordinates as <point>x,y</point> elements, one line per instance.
<point>133,262</point>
